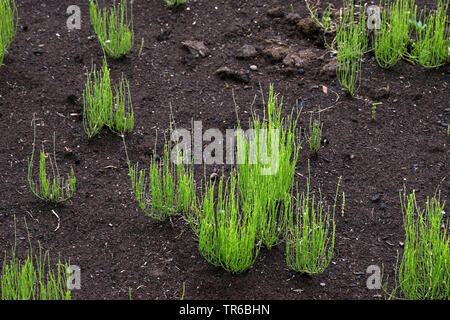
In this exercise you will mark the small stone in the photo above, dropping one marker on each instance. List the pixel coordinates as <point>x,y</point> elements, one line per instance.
<point>213,176</point>
<point>276,53</point>
<point>196,48</point>
<point>38,52</point>
<point>379,93</point>
<point>276,12</point>
<point>253,67</point>
<point>293,60</point>
<point>330,68</point>
<point>376,197</point>
<point>227,73</point>
<point>164,35</point>
<point>246,52</point>
<point>308,26</point>
<point>293,18</point>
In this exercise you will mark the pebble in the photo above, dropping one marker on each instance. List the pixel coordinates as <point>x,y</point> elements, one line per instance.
<point>376,197</point>
<point>253,67</point>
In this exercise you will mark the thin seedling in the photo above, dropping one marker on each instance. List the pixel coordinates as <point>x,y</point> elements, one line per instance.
<point>141,48</point>
<point>325,22</point>
<point>56,188</point>
<point>114,28</point>
<point>374,109</point>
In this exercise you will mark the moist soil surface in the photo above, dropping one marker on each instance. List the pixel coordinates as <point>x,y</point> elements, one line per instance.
<point>103,231</point>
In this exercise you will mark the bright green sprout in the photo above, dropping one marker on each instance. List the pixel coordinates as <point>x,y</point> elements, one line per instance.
<point>55,189</point>
<point>374,109</point>
<point>114,28</point>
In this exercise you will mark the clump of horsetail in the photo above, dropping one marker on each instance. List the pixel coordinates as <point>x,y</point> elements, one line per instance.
<point>33,278</point>
<point>165,189</point>
<point>8,25</point>
<point>431,46</point>
<point>266,158</point>
<point>310,233</point>
<point>351,40</point>
<point>228,228</point>
<point>424,271</point>
<point>114,28</point>
<point>102,107</point>
<point>54,188</point>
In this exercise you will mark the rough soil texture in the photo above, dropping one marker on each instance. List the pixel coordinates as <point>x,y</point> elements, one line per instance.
<point>102,229</point>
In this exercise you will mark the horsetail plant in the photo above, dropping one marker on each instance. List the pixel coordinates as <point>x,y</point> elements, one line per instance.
<point>390,41</point>
<point>101,107</point>
<point>154,192</point>
<point>8,25</point>
<point>309,240</point>
<point>114,28</point>
<point>268,154</point>
<point>164,189</point>
<point>266,158</point>
<point>431,47</point>
<point>33,279</point>
<point>56,188</point>
<point>97,100</point>
<point>228,229</point>
<point>424,272</point>
<point>351,42</point>
<point>121,115</point>
<point>314,135</point>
